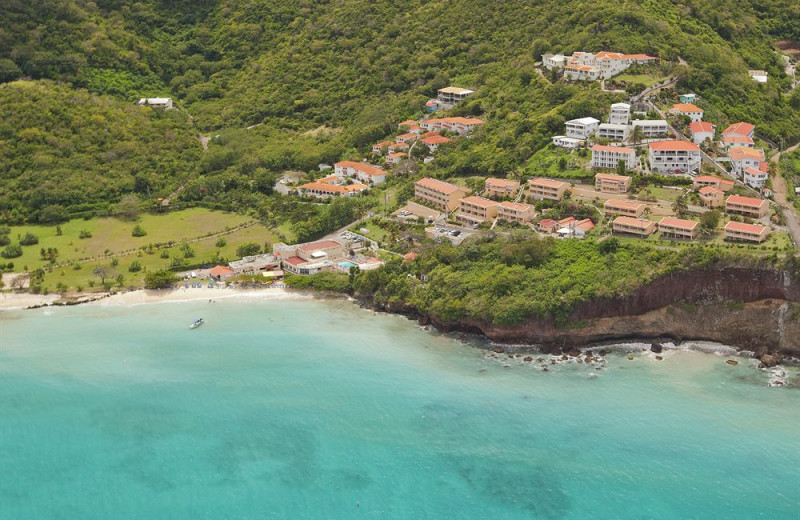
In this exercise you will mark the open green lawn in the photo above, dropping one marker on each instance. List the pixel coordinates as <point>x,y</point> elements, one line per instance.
<point>375,232</point>
<point>643,79</point>
<point>114,236</point>
<point>545,163</point>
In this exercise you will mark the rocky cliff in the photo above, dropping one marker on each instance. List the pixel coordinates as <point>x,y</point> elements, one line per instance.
<point>751,309</point>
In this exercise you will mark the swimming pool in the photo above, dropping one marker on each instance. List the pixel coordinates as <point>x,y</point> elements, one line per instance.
<point>347,264</point>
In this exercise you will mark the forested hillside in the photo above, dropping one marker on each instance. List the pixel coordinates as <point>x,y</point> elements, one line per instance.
<point>351,69</point>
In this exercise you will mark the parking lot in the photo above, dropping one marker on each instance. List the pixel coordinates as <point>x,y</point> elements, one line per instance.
<point>455,236</point>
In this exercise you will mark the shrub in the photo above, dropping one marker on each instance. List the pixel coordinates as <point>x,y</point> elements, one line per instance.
<point>85,233</point>
<point>138,231</point>
<point>160,279</point>
<point>135,267</point>
<point>28,240</point>
<point>248,249</point>
<point>221,242</point>
<point>11,251</point>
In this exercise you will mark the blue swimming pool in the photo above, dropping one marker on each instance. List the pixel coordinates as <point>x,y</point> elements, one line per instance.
<point>347,264</point>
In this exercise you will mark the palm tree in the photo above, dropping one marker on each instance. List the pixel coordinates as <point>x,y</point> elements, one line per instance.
<point>680,206</point>
<point>637,134</point>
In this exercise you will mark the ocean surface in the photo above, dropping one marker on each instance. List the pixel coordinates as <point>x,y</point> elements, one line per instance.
<point>308,409</point>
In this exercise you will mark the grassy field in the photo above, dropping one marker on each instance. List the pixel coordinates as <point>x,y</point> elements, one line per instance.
<point>545,163</point>
<point>643,79</point>
<point>111,239</point>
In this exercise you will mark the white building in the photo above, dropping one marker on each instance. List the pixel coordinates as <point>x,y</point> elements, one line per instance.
<point>609,157</point>
<point>744,158</point>
<point>157,102</point>
<point>651,127</point>
<point>759,76</point>
<point>701,131</point>
<point>694,112</point>
<point>365,173</point>
<point>604,64</point>
<point>563,141</point>
<point>582,128</point>
<point>449,96</point>
<point>613,132</point>
<point>756,177</point>
<point>620,114</point>
<point>674,157</point>
<point>554,61</point>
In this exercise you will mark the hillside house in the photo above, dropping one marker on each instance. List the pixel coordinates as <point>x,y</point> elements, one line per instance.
<point>759,76</point>
<point>694,112</point>
<point>395,158</point>
<point>744,158</point>
<point>460,125</point>
<point>378,148</point>
<point>756,177</point>
<point>610,183</point>
<point>322,190</point>
<point>472,211</point>
<point>620,114</point>
<point>747,206</point>
<point>501,188</point>
<point>583,66</point>
<point>651,128</point>
<point>546,189</point>
<point>717,182</point>
<point>365,173</point>
<point>163,103</point>
<point>433,142</point>
<point>633,226</point>
<point>608,157</point>
<point>562,141</point>
<point>741,232</point>
<point>737,141</point>
<point>688,98</point>
<point>582,128</point>
<point>449,96</point>
<point>397,147</point>
<point>679,228</point>
<point>740,129</point>
<point>439,194</point>
<point>515,212</point>
<point>711,197</point>
<point>624,207</point>
<point>674,157</point>
<point>613,132</point>
<point>702,131</point>
<point>554,61</point>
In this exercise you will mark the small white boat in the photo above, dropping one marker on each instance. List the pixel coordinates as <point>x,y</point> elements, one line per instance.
<point>196,323</point>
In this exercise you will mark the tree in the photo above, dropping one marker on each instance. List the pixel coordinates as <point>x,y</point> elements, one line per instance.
<point>161,279</point>
<point>28,240</point>
<point>621,167</point>
<point>138,231</point>
<point>709,221</point>
<point>135,267</point>
<point>221,242</point>
<point>102,272</point>
<point>128,207</point>
<point>11,251</point>
<point>680,206</point>
<point>249,249</point>
<point>21,281</point>
<point>637,135</point>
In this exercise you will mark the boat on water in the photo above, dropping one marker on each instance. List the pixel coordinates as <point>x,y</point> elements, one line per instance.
<point>196,323</point>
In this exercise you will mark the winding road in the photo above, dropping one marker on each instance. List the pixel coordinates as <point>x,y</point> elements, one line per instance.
<point>781,197</point>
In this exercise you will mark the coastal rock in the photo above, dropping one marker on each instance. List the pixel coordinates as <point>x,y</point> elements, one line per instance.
<point>657,348</point>
<point>499,349</point>
<point>605,352</point>
<point>564,357</point>
<point>527,359</point>
<point>769,360</point>
<point>731,362</point>
<point>588,359</point>
<point>630,357</point>
<point>659,358</point>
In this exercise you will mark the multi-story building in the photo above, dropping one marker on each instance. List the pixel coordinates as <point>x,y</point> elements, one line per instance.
<point>701,131</point>
<point>439,194</point>
<point>624,207</point>
<point>475,210</point>
<point>433,142</point>
<point>609,156</point>
<point>611,183</point>
<point>717,182</point>
<point>515,212</point>
<point>582,128</point>
<point>546,189</point>
<point>747,206</point>
<point>739,231</point>
<point>740,141</point>
<point>679,228</point>
<point>395,158</point>
<point>694,112</point>
<point>740,129</point>
<point>711,197</point>
<point>554,61</point>
<point>311,257</point>
<point>604,64</point>
<point>744,158</point>
<point>633,226</point>
<point>501,187</point>
<point>756,177</point>
<point>449,96</point>
<point>612,132</point>
<point>562,141</point>
<point>674,157</point>
<point>323,190</point>
<point>378,148</point>
<point>620,114</point>
<point>460,125</point>
<point>365,173</point>
<point>651,128</point>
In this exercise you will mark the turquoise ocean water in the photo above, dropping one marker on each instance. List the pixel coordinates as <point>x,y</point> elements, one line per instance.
<point>303,409</point>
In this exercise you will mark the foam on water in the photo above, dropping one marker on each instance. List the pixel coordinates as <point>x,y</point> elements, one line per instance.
<point>300,409</point>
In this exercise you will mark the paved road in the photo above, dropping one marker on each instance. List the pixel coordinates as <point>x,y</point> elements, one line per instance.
<point>789,213</point>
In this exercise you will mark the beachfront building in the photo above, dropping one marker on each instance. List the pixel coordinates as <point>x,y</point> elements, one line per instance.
<point>740,129</point>
<point>501,188</point>
<point>311,257</point>
<point>674,157</point>
<point>546,189</point>
<point>472,211</point>
<point>624,207</point>
<point>633,226</point>
<point>562,141</point>
<point>582,128</point>
<point>163,103</point>
<point>711,197</point>
<point>612,132</point>
<point>744,158</point>
<point>439,194</point>
<point>741,232</point>
<point>252,265</point>
<point>694,112</point>
<point>717,182</point>
<point>651,128</point>
<point>620,114</point>
<point>449,96</point>
<point>702,131</point>
<point>604,156</point>
<point>515,212</point>
<point>460,125</point>
<point>365,173</point>
<point>611,183</point>
<point>679,228</point>
<point>747,206</point>
<point>322,190</point>
<point>756,177</point>
<point>221,272</point>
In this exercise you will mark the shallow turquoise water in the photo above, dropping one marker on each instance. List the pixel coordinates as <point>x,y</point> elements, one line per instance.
<point>301,409</point>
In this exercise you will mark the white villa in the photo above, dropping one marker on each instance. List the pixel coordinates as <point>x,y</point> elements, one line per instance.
<point>609,156</point>
<point>620,114</point>
<point>613,132</point>
<point>449,96</point>
<point>365,173</point>
<point>587,66</point>
<point>562,141</point>
<point>156,102</point>
<point>582,128</point>
<point>674,157</point>
<point>651,127</point>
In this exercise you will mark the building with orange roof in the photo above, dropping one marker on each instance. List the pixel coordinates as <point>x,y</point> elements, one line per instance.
<point>322,190</point>
<point>365,173</point>
<point>395,158</point>
<point>747,206</point>
<point>584,66</point>
<point>546,189</point>
<point>624,207</point>
<point>711,197</point>
<point>516,212</point>
<point>407,123</point>
<point>611,183</point>
<point>311,257</point>
<point>702,131</point>
<point>378,148</point>
<point>433,142</point>
<point>473,210</point>
<point>756,177</point>
<point>729,141</point>
<point>674,157</point>
<point>740,129</point>
<point>221,272</point>
<point>743,158</point>
<point>679,228</point>
<point>396,147</point>
<point>633,226</point>
<point>694,112</point>
<point>609,157</point>
<point>501,187</point>
<point>461,125</point>
<point>439,194</point>
<point>407,137</point>
<point>741,232</point>
<point>717,182</point>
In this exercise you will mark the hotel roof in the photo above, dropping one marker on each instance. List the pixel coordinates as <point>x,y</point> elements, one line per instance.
<point>364,168</point>
<point>316,246</point>
<point>583,121</point>
<point>437,185</point>
<point>517,206</point>
<point>623,204</point>
<point>455,90</point>
<point>221,270</point>
<point>679,223</point>
<point>738,153</point>
<point>396,155</point>
<point>741,226</point>
<point>746,201</point>
<point>737,139</point>
<point>408,122</point>
<point>612,177</point>
<point>436,139</point>
<point>612,149</point>
<point>633,222</point>
<point>479,201</point>
<point>502,182</point>
<point>333,188</point>
<point>740,128</point>
<point>674,146</point>
<point>710,178</point>
<point>547,183</point>
<point>409,135</point>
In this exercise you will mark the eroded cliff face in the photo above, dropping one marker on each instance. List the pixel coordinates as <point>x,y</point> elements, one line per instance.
<point>749,309</point>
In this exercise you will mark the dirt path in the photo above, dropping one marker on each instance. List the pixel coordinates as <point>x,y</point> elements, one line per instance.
<point>781,197</point>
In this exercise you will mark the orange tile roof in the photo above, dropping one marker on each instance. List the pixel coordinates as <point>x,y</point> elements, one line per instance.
<point>436,139</point>
<point>364,168</point>
<point>516,206</point>
<point>733,139</point>
<point>501,182</point>
<point>708,190</point>
<point>547,183</point>
<point>738,153</point>
<point>674,146</point>
<point>316,246</point>
<point>437,185</point>
<point>746,201</point>
<point>612,177</point>
<point>585,224</point>
<point>221,270</point>
<point>701,126</point>
<point>408,122</point>
<point>398,145</point>
<point>678,223</point>
<point>432,133</point>
<point>640,57</point>
<point>396,155</point>
<point>686,107</point>
<point>623,204</point>
<point>383,144</point>
<point>480,201</point>
<point>709,178</point>
<point>409,135</point>
<point>633,222</point>
<point>579,67</point>
<point>617,149</point>
<point>740,128</point>
<point>333,188</point>
<point>755,171</point>
<point>741,226</point>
